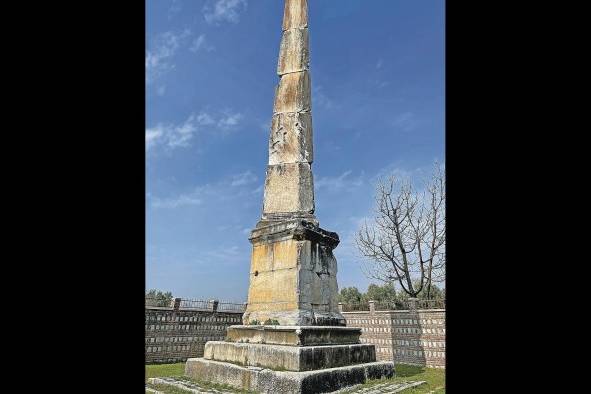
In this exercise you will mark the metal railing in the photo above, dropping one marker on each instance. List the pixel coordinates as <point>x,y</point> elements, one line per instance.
<point>356,307</point>
<point>431,304</point>
<point>390,305</point>
<point>393,305</point>
<point>231,307</point>
<point>197,305</point>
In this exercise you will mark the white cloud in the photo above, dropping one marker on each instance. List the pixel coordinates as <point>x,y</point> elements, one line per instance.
<point>174,136</point>
<point>230,188</point>
<point>318,97</point>
<point>216,11</point>
<point>405,122</point>
<point>343,181</point>
<point>229,120</point>
<point>182,200</point>
<point>379,64</point>
<point>174,9</point>
<point>153,136</point>
<point>243,179</point>
<point>395,170</point>
<point>181,135</point>
<point>159,60</point>
<point>205,119</point>
<point>201,43</point>
<point>259,189</point>
<point>223,253</point>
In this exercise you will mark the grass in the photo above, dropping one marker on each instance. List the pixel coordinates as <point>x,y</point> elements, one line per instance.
<point>435,378</point>
<point>163,370</point>
<point>177,370</point>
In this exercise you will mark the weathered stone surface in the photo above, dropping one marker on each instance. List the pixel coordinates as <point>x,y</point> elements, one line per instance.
<point>295,14</point>
<point>183,383</point>
<point>269,381</point>
<point>294,335</point>
<point>294,228</point>
<point>293,93</point>
<point>293,275</point>
<point>290,358</point>
<point>289,188</point>
<point>291,138</point>
<point>294,55</point>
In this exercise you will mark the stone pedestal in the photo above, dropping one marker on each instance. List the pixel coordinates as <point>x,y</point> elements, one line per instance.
<point>293,274</point>
<point>289,359</point>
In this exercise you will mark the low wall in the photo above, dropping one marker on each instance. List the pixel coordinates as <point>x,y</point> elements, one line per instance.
<point>407,336</point>
<point>175,334</point>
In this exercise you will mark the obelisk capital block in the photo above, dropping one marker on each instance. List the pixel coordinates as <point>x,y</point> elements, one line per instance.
<point>295,14</point>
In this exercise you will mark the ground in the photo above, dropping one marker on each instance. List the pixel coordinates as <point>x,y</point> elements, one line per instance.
<point>435,379</point>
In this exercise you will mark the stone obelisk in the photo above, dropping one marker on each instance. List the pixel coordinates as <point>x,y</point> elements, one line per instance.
<point>293,338</point>
<point>293,270</point>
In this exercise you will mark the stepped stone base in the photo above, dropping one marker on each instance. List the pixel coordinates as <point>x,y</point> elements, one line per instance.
<point>294,335</point>
<point>290,358</point>
<point>269,381</point>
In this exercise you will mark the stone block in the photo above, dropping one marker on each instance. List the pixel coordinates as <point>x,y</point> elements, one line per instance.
<point>295,14</point>
<point>293,93</point>
<point>274,287</point>
<point>286,382</point>
<point>293,275</point>
<point>290,358</point>
<point>289,188</point>
<point>291,138</point>
<point>294,335</point>
<point>293,54</point>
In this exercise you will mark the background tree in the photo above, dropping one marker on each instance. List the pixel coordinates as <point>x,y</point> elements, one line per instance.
<point>405,241</point>
<point>159,298</point>
<point>384,293</point>
<point>349,295</point>
<point>435,294</point>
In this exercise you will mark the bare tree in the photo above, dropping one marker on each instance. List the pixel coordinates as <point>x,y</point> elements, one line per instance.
<point>405,241</point>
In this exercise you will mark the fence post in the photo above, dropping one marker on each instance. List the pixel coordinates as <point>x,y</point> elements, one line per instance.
<point>340,307</point>
<point>412,303</point>
<point>372,307</point>
<point>176,304</point>
<point>214,305</point>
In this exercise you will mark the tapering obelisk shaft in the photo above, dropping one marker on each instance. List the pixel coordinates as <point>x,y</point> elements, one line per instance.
<point>293,270</point>
<point>289,187</point>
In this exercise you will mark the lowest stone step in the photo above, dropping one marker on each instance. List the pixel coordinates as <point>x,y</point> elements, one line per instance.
<point>286,382</point>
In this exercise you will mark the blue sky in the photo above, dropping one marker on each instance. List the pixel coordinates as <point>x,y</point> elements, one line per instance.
<point>378,107</point>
